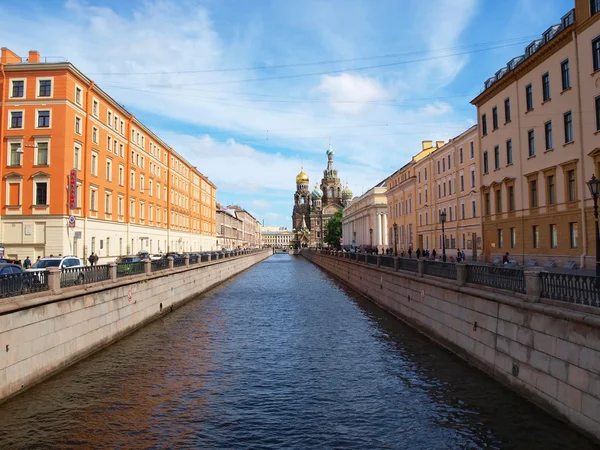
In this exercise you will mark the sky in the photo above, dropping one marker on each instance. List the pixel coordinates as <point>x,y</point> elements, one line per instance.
<point>251,91</point>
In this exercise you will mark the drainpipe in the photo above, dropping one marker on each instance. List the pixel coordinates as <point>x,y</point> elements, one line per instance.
<point>582,186</point>
<point>2,122</point>
<point>85,185</point>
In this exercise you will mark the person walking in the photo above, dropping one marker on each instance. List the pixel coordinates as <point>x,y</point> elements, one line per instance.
<point>505,258</point>
<point>92,259</point>
<point>27,263</point>
<point>419,253</point>
<point>433,253</point>
<point>410,252</point>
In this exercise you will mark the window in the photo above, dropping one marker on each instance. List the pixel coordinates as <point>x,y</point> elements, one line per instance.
<point>94,164</point>
<point>533,193</point>
<point>471,150</point>
<point>41,154</point>
<point>77,157</point>
<point>536,236</point>
<point>594,6</point>
<point>551,190</point>
<point>571,192</point>
<point>474,208</point>
<point>43,119</point>
<point>109,119</point>
<point>15,154</point>
<point>426,167</point>
<point>472,178</point>
<point>142,207</point>
<point>41,193</point>
<point>498,201</point>
<point>93,200</point>
<point>485,162</point>
<point>509,156</point>
<point>496,157</point>
<point>495,117</point>
<point>78,95</point>
<point>107,203</point>
<point>95,135</point>
<point>568,119</point>
<point>573,234</point>
<point>565,74</point>
<point>439,191</point>
<point>132,208</point>
<point>553,236</point>
<point>108,170</point>
<point>487,204</point>
<point>142,184</point>
<point>596,53</point>
<point>500,238</point>
<point>449,187</point>
<point>120,206</point>
<point>121,175</point>
<point>18,89</point>
<point>529,97</point>
<point>462,211</point>
<point>460,155</point>
<point>418,175</point>
<point>443,165</point>
<point>546,87</point>
<point>95,108</point>
<point>45,88</point>
<point>513,238</point>
<point>531,142</point>
<point>16,119</point>
<point>511,198</point>
<point>548,134</point>
<point>462,183</point>
<point>438,164</point>
<point>507,110</point>
<point>132,180</point>
<point>483,124</point>
<point>78,125</point>
<point>598,113</point>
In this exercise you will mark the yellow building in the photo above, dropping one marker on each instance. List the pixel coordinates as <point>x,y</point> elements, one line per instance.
<point>539,137</point>
<point>402,221</point>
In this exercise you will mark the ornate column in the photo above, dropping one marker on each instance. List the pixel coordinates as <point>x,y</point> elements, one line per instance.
<point>378,234</point>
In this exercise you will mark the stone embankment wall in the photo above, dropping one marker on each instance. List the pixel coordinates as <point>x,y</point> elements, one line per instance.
<point>549,354</point>
<point>40,334</point>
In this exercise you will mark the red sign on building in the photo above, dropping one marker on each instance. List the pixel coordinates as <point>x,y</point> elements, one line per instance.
<point>73,189</point>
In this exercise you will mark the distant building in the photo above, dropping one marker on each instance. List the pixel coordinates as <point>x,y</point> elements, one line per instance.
<point>229,229</point>
<point>250,231</point>
<point>276,236</point>
<point>364,223</point>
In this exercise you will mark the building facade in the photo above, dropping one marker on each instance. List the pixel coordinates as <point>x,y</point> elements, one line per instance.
<point>539,138</point>
<point>229,229</point>
<point>276,237</point>
<point>364,222</point>
<point>250,232</point>
<point>312,210</point>
<point>81,174</point>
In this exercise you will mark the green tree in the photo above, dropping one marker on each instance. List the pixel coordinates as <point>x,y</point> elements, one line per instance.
<point>333,232</point>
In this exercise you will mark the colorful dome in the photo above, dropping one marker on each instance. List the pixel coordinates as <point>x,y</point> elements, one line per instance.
<point>302,177</point>
<point>317,193</point>
<point>347,192</point>
<point>330,150</point>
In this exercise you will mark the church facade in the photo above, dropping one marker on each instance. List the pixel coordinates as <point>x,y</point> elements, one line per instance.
<point>312,210</point>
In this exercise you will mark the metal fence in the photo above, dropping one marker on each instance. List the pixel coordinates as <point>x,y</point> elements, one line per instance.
<point>497,277</point>
<point>179,261</point>
<point>70,276</point>
<point>387,261</point>
<point>440,269</point>
<point>371,259</point>
<point>126,269</point>
<point>408,264</point>
<point>194,259</point>
<point>204,258</point>
<point>159,264</point>
<point>12,284</point>
<point>579,289</point>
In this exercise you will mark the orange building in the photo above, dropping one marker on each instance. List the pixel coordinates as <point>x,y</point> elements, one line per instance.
<point>131,190</point>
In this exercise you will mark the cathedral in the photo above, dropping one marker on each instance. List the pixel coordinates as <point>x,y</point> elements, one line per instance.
<point>312,210</point>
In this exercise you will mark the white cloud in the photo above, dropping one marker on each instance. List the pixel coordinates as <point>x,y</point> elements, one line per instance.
<point>351,93</point>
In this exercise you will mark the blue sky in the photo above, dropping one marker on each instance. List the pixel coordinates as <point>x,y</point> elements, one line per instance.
<point>251,90</point>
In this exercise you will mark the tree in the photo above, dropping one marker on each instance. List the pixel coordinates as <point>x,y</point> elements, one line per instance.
<point>333,232</point>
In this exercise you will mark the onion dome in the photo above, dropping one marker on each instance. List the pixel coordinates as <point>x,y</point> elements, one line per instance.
<point>347,192</point>
<point>302,177</point>
<point>317,193</point>
<point>330,151</point>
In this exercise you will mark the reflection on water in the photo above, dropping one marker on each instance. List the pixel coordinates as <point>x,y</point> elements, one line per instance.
<point>280,356</point>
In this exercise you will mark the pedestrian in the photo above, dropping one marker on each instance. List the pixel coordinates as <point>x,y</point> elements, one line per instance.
<point>505,258</point>
<point>27,263</point>
<point>458,255</point>
<point>91,259</point>
<point>418,252</point>
<point>433,253</point>
<point>410,252</point>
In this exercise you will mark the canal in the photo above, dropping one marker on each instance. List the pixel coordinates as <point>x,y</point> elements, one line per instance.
<point>282,356</point>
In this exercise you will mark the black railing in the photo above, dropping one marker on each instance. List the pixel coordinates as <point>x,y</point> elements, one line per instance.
<point>194,259</point>
<point>204,258</point>
<point>371,259</point>
<point>159,264</point>
<point>578,289</point>
<point>354,256</point>
<point>440,269</point>
<point>496,277</point>
<point>132,268</point>
<point>387,261</point>
<point>70,276</point>
<point>13,284</point>
<point>408,264</point>
<point>179,261</point>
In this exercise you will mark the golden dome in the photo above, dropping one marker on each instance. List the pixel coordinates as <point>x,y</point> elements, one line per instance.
<point>302,177</point>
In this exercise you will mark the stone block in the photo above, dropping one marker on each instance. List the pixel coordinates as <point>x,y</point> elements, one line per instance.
<point>503,345</point>
<point>589,359</point>
<point>567,351</point>
<point>528,375</point>
<point>507,329</point>
<point>519,352</point>
<point>578,377</point>
<point>525,336</point>
<point>569,395</point>
<point>590,406</point>
<point>544,342</point>
<point>547,384</point>
<point>558,368</point>
<point>540,361</point>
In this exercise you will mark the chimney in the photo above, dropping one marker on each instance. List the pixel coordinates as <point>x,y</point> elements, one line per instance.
<point>9,57</point>
<point>34,56</point>
<point>439,144</point>
<point>427,144</point>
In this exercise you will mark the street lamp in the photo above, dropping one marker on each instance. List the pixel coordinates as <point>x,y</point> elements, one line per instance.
<point>371,237</point>
<point>395,239</point>
<point>443,220</point>
<point>594,185</point>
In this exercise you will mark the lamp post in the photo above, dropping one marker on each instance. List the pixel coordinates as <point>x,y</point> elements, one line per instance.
<point>370,237</point>
<point>443,220</point>
<point>395,239</point>
<point>594,186</point>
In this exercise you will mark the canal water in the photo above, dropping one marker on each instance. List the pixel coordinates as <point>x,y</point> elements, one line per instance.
<point>282,356</point>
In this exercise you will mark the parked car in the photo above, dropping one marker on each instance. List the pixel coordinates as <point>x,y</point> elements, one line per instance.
<point>156,256</point>
<point>126,264</point>
<point>13,280</point>
<point>61,262</point>
<point>143,254</point>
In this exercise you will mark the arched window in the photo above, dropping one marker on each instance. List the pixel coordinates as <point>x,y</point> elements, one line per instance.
<point>332,191</point>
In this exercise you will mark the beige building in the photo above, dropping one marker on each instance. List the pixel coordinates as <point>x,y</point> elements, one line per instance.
<point>250,231</point>
<point>402,223</point>
<point>276,237</point>
<point>229,229</point>
<point>539,124</point>
<point>447,180</point>
<point>364,222</point>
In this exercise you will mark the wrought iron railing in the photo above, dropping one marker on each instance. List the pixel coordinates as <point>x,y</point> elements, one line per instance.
<point>12,284</point>
<point>70,276</point>
<point>132,268</point>
<point>204,258</point>
<point>387,261</point>
<point>159,264</point>
<point>408,264</point>
<point>496,277</point>
<point>440,269</point>
<point>371,259</point>
<point>194,259</point>
<point>578,289</point>
<point>179,261</point>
